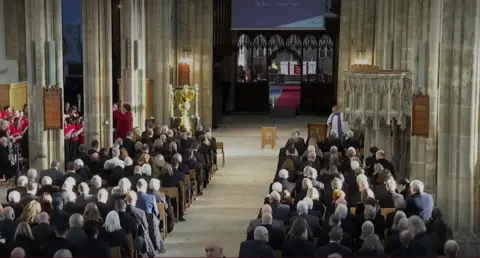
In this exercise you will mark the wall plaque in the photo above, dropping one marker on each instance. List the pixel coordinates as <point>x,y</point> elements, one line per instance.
<point>420,115</point>
<point>53,107</point>
<point>183,74</point>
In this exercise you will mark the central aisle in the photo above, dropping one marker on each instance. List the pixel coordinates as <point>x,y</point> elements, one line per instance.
<point>236,192</point>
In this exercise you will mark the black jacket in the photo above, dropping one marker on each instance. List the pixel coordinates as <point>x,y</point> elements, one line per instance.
<point>255,248</point>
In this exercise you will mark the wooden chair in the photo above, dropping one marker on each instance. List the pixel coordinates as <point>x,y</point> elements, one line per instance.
<point>278,253</point>
<point>188,183</point>
<point>115,252</point>
<point>193,179</point>
<point>386,211</point>
<point>163,217</point>
<point>172,192</point>
<point>130,240</point>
<point>221,151</point>
<point>182,192</point>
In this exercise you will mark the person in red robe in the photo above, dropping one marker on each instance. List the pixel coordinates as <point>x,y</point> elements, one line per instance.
<point>16,132</point>
<point>124,120</point>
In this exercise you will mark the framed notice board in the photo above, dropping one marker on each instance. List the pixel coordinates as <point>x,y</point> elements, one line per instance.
<point>53,107</point>
<point>420,115</point>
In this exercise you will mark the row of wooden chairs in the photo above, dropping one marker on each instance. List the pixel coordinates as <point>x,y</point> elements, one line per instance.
<point>194,188</point>
<point>117,252</point>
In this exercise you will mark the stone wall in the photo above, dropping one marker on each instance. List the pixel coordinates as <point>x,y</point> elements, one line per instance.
<point>436,41</point>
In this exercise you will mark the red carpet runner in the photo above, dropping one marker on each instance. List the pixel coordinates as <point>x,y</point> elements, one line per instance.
<point>290,97</point>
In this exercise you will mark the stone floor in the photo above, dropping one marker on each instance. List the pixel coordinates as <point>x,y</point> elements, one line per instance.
<point>236,192</point>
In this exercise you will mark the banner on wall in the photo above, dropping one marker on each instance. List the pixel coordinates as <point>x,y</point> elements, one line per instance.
<point>278,14</point>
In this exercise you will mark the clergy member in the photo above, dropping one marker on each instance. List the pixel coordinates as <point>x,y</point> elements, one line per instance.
<point>124,120</point>
<point>335,121</point>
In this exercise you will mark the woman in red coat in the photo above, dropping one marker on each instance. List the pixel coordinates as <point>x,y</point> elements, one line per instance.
<point>124,120</point>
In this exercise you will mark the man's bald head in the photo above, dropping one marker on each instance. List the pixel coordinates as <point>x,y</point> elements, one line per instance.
<point>451,248</point>
<point>266,208</point>
<point>8,213</point>
<point>214,251</point>
<point>18,253</point>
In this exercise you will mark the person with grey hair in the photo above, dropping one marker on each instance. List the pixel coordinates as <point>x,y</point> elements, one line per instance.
<point>53,172</point>
<point>334,246</point>
<point>371,247</point>
<point>145,201</point>
<point>393,241</point>
<point>387,199</point>
<point>312,221</point>
<point>115,161</point>
<point>259,246</point>
<point>43,231</point>
<point>75,233</point>
<point>279,211</point>
<point>32,175</point>
<point>419,203</point>
<point>63,253</point>
<point>20,188</point>
<point>422,244</point>
<point>282,178</point>
<point>405,238</point>
<point>276,235</point>
<point>451,249</point>
<point>8,224</point>
<point>18,252</point>
<point>96,184</point>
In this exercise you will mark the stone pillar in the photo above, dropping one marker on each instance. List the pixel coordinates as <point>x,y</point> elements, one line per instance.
<point>2,35</point>
<point>357,20</point>
<point>44,39</point>
<point>133,58</point>
<point>14,59</point>
<point>158,24</point>
<point>458,120</point>
<point>97,71</point>
<point>198,20</point>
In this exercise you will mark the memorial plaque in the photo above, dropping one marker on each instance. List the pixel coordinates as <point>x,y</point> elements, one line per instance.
<point>183,74</point>
<point>420,115</point>
<point>53,107</point>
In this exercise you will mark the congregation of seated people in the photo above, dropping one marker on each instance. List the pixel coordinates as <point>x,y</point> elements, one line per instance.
<point>324,202</point>
<point>110,202</point>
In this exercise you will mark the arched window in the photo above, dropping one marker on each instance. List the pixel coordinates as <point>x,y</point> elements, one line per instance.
<point>259,69</point>
<point>243,60</point>
<point>310,50</point>
<point>325,58</point>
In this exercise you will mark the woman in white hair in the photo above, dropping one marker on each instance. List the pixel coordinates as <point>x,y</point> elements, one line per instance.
<point>147,172</point>
<point>96,184</point>
<point>114,235</point>
<point>157,165</point>
<point>301,193</point>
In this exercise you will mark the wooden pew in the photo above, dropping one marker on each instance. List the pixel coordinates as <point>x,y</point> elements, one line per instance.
<point>115,252</point>
<point>182,192</point>
<point>221,151</point>
<point>386,211</point>
<point>163,217</point>
<point>172,192</point>
<point>188,200</point>
<point>318,131</point>
<point>130,240</point>
<point>193,179</point>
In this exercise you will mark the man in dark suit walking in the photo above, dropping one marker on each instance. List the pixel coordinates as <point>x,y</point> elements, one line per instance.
<point>53,172</point>
<point>257,247</point>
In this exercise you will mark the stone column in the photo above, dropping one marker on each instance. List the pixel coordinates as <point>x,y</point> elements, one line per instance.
<point>458,120</point>
<point>97,70</point>
<point>133,58</point>
<point>44,40</point>
<point>199,27</point>
<point>357,22</point>
<point>2,35</point>
<point>158,24</point>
